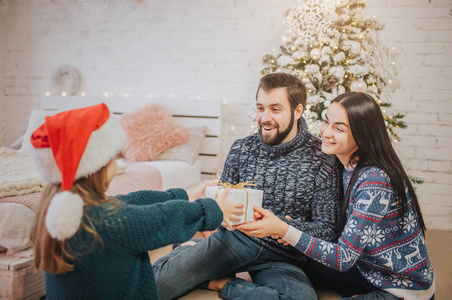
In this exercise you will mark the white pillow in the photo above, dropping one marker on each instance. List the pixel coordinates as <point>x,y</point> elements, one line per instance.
<point>37,118</point>
<point>189,151</point>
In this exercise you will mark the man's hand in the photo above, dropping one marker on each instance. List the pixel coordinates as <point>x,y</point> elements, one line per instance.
<point>268,224</point>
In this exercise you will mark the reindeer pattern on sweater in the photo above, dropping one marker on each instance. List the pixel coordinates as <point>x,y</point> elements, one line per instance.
<point>387,246</point>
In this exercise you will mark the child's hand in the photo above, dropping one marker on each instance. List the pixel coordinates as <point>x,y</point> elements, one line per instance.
<point>231,211</point>
<point>199,192</point>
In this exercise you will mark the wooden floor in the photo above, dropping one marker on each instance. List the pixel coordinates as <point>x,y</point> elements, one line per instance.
<point>439,245</point>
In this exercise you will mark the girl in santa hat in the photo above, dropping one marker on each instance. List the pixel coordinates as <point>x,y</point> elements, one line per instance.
<point>96,247</point>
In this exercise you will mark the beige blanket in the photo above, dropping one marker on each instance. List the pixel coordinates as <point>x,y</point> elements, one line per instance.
<point>18,174</point>
<point>135,177</point>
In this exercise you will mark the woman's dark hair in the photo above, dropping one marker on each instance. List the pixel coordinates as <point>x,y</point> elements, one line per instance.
<point>374,149</point>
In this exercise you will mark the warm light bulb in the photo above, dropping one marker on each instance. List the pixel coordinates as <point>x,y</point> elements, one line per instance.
<point>225,102</point>
<point>64,94</point>
<point>105,94</point>
<point>83,94</point>
<point>47,93</point>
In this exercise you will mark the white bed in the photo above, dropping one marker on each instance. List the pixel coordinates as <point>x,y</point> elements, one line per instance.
<point>177,173</point>
<point>17,210</point>
<point>185,112</point>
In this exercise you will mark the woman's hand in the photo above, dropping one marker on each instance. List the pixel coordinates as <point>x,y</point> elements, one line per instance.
<point>267,225</point>
<point>280,239</point>
<point>199,192</point>
<point>231,211</point>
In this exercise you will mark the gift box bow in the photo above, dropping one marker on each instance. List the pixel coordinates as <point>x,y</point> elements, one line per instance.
<point>238,186</point>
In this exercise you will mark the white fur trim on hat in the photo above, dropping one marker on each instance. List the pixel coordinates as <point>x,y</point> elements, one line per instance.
<point>64,215</point>
<point>103,145</point>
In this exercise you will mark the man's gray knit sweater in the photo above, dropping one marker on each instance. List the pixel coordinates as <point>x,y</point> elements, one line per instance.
<point>298,180</point>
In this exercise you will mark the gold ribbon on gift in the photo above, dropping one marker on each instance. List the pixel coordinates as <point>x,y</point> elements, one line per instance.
<point>238,186</point>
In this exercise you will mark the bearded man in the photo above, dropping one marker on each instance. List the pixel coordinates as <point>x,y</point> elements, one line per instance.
<point>300,184</point>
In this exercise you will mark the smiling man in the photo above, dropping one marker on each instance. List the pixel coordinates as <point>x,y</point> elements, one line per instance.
<point>300,184</point>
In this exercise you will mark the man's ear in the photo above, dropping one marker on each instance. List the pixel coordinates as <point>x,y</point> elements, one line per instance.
<point>298,111</point>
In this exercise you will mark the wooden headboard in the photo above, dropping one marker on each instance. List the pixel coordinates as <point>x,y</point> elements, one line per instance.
<point>188,113</point>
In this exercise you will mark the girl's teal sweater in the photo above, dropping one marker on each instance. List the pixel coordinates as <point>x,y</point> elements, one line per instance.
<point>120,268</point>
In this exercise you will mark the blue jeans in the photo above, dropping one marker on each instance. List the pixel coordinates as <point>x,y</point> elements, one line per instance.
<point>223,254</point>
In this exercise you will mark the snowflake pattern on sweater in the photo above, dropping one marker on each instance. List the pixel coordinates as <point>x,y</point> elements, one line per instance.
<point>388,248</point>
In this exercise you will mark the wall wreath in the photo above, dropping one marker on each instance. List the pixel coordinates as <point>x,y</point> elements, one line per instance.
<point>66,80</point>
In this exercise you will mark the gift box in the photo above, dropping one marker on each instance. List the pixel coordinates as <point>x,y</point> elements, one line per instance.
<point>249,198</point>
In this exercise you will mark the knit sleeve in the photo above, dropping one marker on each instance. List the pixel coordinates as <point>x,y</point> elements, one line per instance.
<point>231,165</point>
<point>151,197</point>
<point>326,203</point>
<point>145,227</point>
<point>372,199</point>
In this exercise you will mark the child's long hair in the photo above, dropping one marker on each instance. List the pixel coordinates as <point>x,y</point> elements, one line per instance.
<point>374,148</point>
<point>53,255</point>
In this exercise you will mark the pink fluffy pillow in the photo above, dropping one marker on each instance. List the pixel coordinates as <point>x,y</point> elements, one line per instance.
<point>150,131</point>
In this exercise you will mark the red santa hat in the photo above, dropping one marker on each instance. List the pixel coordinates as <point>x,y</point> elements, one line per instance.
<point>68,146</point>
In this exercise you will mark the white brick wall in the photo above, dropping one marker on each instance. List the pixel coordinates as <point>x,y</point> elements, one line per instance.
<point>421,31</point>
<point>213,50</point>
<point>2,101</point>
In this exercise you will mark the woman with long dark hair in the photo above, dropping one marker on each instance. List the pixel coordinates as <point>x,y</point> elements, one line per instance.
<point>381,253</point>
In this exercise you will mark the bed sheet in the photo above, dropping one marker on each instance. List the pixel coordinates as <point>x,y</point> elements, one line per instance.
<point>177,174</point>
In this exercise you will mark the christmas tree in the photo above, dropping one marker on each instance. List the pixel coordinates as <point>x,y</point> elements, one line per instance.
<point>334,49</point>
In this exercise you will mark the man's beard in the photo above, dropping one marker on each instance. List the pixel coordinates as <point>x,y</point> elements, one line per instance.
<point>280,135</point>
